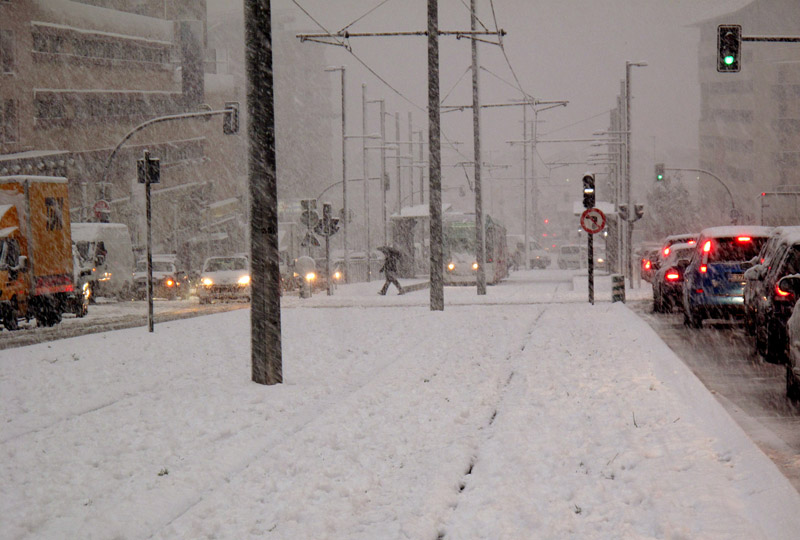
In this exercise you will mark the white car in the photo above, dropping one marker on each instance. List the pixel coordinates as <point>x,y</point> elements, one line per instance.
<point>225,278</point>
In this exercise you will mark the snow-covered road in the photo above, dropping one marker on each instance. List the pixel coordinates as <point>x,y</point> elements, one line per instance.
<point>523,414</point>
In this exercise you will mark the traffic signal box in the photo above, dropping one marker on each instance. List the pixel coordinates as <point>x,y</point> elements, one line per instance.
<point>729,44</point>
<point>588,191</point>
<point>659,172</point>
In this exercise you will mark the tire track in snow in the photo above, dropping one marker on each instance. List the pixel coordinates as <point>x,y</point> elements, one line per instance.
<point>511,358</point>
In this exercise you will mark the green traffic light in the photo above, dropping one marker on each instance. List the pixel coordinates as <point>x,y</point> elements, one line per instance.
<point>660,176</point>
<point>729,60</point>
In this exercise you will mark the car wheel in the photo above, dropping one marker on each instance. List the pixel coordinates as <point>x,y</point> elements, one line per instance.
<point>658,307</point>
<point>773,345</point>
<point>692,318</point>
<point>10,320</point>
<point>792,384</point>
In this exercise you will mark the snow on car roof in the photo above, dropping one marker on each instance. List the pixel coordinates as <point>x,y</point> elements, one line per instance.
<point>736,230</point>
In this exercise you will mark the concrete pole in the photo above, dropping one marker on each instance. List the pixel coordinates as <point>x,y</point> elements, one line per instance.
<point>525,226</point>
<point>397,159</point>
<point>480,241</point>
<point>421,167</point>
<point>435,166</point>
<point>383,173</point>
<point>366,175</point>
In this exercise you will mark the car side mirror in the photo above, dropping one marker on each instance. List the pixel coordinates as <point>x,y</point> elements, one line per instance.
<point>790,284</point>
<point>747,265</point>
<point>754,273</point>
<point>22,264</point>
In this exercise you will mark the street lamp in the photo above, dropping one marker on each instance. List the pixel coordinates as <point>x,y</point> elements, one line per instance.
<point>628,66</point>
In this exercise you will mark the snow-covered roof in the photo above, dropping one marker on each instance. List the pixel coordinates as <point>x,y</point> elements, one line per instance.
<point>32,154</point>
<point>606,207</point>
<point>100,33</point>
<point>418,211</point>
<point>91,231</point>
<point>735,230</point>
<point>83,17</point>
<point>21,178</point>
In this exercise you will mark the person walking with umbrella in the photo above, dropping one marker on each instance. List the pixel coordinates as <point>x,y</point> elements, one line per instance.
<point>391,256</point>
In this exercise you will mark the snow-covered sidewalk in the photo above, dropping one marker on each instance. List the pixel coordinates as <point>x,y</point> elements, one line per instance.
<point>526,413</point>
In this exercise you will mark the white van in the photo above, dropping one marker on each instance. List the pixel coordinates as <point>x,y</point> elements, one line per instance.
<point>107,248</point>
<point>572,256</point>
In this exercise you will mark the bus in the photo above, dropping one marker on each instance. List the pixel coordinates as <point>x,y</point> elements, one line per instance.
<point>460,253</point>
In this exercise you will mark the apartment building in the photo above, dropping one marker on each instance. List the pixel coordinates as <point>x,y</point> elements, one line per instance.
<point>77,76</point>
<point>749,130</point>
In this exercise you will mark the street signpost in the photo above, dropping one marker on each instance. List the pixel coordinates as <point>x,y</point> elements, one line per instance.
<point>148,172</point>
<point>593,220</point>
<point>101,211</point>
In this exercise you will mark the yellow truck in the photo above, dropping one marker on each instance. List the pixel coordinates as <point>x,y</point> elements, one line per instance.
<point>36,278</point>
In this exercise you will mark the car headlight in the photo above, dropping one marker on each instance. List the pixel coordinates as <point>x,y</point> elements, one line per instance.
<point>337,276</point>
<point>451,266</point>
<point>474,266</point>
<point>244,280</point>
<point>311,276</point>
<point>208,282</point>
<point>169,283</point>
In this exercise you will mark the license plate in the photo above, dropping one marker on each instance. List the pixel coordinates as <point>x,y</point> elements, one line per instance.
<point>736,277</point>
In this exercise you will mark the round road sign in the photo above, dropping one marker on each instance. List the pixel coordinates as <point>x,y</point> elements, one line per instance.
<point>101,207</point>
<point>593,220</point>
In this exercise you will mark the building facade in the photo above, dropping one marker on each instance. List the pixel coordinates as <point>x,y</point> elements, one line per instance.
<point>750,121</point>
<point>76,77</point>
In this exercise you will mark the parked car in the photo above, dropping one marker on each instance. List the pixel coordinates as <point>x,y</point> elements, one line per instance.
<point>791,284</point>
<point>666,246</point>
<point>754,276</point>
<point>539,258</point>
<point>224,278</point>
<point>168,281</point>
<point>571,256</point>
<point>770,306</point>
<point>668,280</point>
<point>648,263</point>
<point>714,279</point>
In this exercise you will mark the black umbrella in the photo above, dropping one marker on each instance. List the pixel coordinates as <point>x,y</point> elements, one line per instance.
<point>389,251</point>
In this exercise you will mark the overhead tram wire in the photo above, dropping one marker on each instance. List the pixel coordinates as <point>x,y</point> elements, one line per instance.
<point>349,49</point>
<point>362,16</point>
<point>476,16</point>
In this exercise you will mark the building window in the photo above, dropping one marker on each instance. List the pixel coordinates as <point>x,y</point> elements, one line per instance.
<point>6,51</point>
<point>8,121</point>
<point>48,108</point>
<point>48,43</point>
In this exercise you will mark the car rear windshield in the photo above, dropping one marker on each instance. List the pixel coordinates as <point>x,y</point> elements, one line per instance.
<point>736,249</point>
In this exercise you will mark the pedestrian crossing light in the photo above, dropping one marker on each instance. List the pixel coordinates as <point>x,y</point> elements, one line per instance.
<point>729,43</point>
<point>588,191</point>
<point>659,172</point>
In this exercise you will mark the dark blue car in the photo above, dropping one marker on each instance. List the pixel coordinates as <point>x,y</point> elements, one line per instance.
<point>714,279</point>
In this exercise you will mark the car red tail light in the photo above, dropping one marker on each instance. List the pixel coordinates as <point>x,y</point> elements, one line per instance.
<point>647,265</point>
<point>780,294</point>
<point>672,275</point>
<point>707,246</point>
<point>666,251</point>
<point>703,268</point>
<point>743,239</point>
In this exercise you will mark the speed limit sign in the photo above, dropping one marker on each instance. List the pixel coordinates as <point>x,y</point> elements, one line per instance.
<point>593,220</point>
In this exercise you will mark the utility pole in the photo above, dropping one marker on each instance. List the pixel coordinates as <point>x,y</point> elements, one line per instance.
<point>397,156</point>
<point>628,66</point>
<point>525,184</point>
<point>421,166</point>
<point>480,243</point>
<point>344,181</point>
<point>383,173</point>
<point>366,175</point>
<point>435,165</point>
<point>265,318</point>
